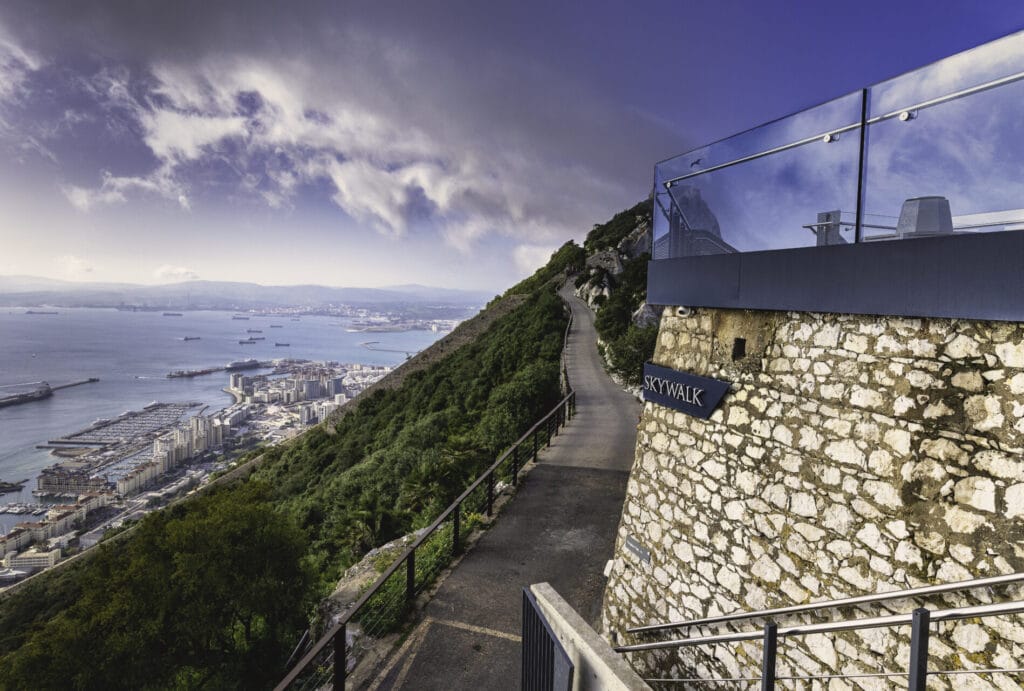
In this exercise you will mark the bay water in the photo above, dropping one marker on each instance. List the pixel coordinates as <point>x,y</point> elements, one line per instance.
<point>132,353</point>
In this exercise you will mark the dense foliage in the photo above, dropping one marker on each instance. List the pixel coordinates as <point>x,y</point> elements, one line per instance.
<point>204,595</point>
<point>403,455</point>
<point>609,234</point>
<point>214,591</point>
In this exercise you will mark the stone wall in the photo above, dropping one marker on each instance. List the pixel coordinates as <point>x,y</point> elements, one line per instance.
<point>853,454</point>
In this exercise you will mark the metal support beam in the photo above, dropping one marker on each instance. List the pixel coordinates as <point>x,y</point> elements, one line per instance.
<point>340,658</point>
<point>410,577</point>
<point>919,649</point>
<point>771,647</point>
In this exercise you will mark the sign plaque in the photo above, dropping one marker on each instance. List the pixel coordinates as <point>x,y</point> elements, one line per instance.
<point>693,395</point>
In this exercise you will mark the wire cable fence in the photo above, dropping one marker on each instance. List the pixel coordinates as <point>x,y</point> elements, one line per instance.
<point>385,605</point>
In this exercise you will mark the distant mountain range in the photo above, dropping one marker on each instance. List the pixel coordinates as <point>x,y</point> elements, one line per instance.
<point>32,291</point>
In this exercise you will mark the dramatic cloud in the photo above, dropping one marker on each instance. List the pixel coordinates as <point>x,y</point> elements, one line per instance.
<point>400,131</point>
<point>175,273</point>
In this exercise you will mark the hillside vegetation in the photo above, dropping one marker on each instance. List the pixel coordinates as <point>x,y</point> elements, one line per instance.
<point>214,592</point>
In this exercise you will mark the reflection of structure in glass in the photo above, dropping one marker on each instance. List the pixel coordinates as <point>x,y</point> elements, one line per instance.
<point>890,162</point>
<point>693,229</point>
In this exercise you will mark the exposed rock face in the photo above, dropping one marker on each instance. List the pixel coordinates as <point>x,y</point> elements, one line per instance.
<point>637,242</point>
<point>853,454</point>
<point>645,315</point>
<point>609,260</point>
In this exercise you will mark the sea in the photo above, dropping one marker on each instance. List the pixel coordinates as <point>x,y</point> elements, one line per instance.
<point>131,353</point>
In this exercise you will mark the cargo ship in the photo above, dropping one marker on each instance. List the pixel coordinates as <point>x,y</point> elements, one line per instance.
<point>253,331</point>
<point>282,345</point>
<point>173,314</point>
<point>178,373</point>
<point>192,338</point>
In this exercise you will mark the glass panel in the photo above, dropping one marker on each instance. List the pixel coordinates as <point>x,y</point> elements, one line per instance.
<point>995,60</point>
<point>954,167</point>
<point>798,197</point>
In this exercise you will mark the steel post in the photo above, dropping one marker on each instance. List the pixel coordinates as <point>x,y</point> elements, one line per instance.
<point>919,626</point>
<point>410,577</point>
<point>340,658</point>
<point>771,647</point>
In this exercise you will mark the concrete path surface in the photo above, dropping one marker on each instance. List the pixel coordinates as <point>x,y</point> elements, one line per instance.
<point>559,528</point>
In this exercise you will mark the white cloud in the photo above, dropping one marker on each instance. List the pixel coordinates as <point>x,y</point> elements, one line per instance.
<point>15,65</point>
<point>114,190</point>
<point>172,135</point>
<point>72,266</point>
<point>168,272</point>
<point>529,258</point>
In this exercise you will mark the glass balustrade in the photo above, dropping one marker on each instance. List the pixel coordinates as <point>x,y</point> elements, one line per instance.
<point>936,151</point>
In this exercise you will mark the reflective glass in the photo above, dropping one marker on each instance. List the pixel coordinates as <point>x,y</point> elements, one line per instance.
<point>798,197</point>
<point>951,168</point>
<point>996,60</point>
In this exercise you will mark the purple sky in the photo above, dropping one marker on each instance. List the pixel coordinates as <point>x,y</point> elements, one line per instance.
<point>375,143</point>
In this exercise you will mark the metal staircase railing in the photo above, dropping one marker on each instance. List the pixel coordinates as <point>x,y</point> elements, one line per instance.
<point>919,620</point>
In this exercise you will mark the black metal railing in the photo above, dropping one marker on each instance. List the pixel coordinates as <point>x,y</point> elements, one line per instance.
<point>919,620</point>
<point>385,605</point>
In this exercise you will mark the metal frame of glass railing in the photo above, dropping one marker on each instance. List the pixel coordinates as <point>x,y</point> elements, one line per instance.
<point>920,621</point>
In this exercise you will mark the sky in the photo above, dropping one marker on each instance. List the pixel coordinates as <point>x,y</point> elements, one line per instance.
<point>454,144</point>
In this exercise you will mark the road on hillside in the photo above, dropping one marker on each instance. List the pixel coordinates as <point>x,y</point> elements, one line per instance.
<point>559,528</point>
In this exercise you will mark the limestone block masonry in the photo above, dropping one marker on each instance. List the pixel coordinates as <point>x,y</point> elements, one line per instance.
<point>853,454</point>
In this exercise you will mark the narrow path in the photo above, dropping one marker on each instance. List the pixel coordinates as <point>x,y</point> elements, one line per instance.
<point>560,528</point>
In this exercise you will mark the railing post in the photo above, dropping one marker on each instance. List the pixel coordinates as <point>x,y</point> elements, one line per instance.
<point>771,645</point>
<point>490,494</point>
<point>919,650</point>
<point>455,529</point>
<point>534,445</point>
<point>340,658</point>
<point>548,426</point>
<point>410,577</point>
<point>515,465</point>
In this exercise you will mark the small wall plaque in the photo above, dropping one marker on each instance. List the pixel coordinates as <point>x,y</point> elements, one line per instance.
<point>693,395</point>
<point>634,546</point>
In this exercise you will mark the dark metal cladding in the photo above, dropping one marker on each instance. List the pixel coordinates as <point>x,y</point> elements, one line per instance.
<point>976,276</point>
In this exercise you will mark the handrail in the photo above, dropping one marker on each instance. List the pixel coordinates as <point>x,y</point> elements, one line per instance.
<point>558,415</point>
<point>999,608</point>
<point>826,135</point>
<point>390,571</point>
<point>843,602</point>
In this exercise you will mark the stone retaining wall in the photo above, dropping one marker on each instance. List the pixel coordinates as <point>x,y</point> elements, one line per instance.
<point>853,454</point>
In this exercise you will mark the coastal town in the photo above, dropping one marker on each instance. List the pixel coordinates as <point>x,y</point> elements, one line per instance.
<point>117,470</point>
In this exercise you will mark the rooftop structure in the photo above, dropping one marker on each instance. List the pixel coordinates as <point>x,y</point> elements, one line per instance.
<point>813,211</point>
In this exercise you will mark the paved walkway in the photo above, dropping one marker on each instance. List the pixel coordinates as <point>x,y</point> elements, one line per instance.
<point>560,528</point>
